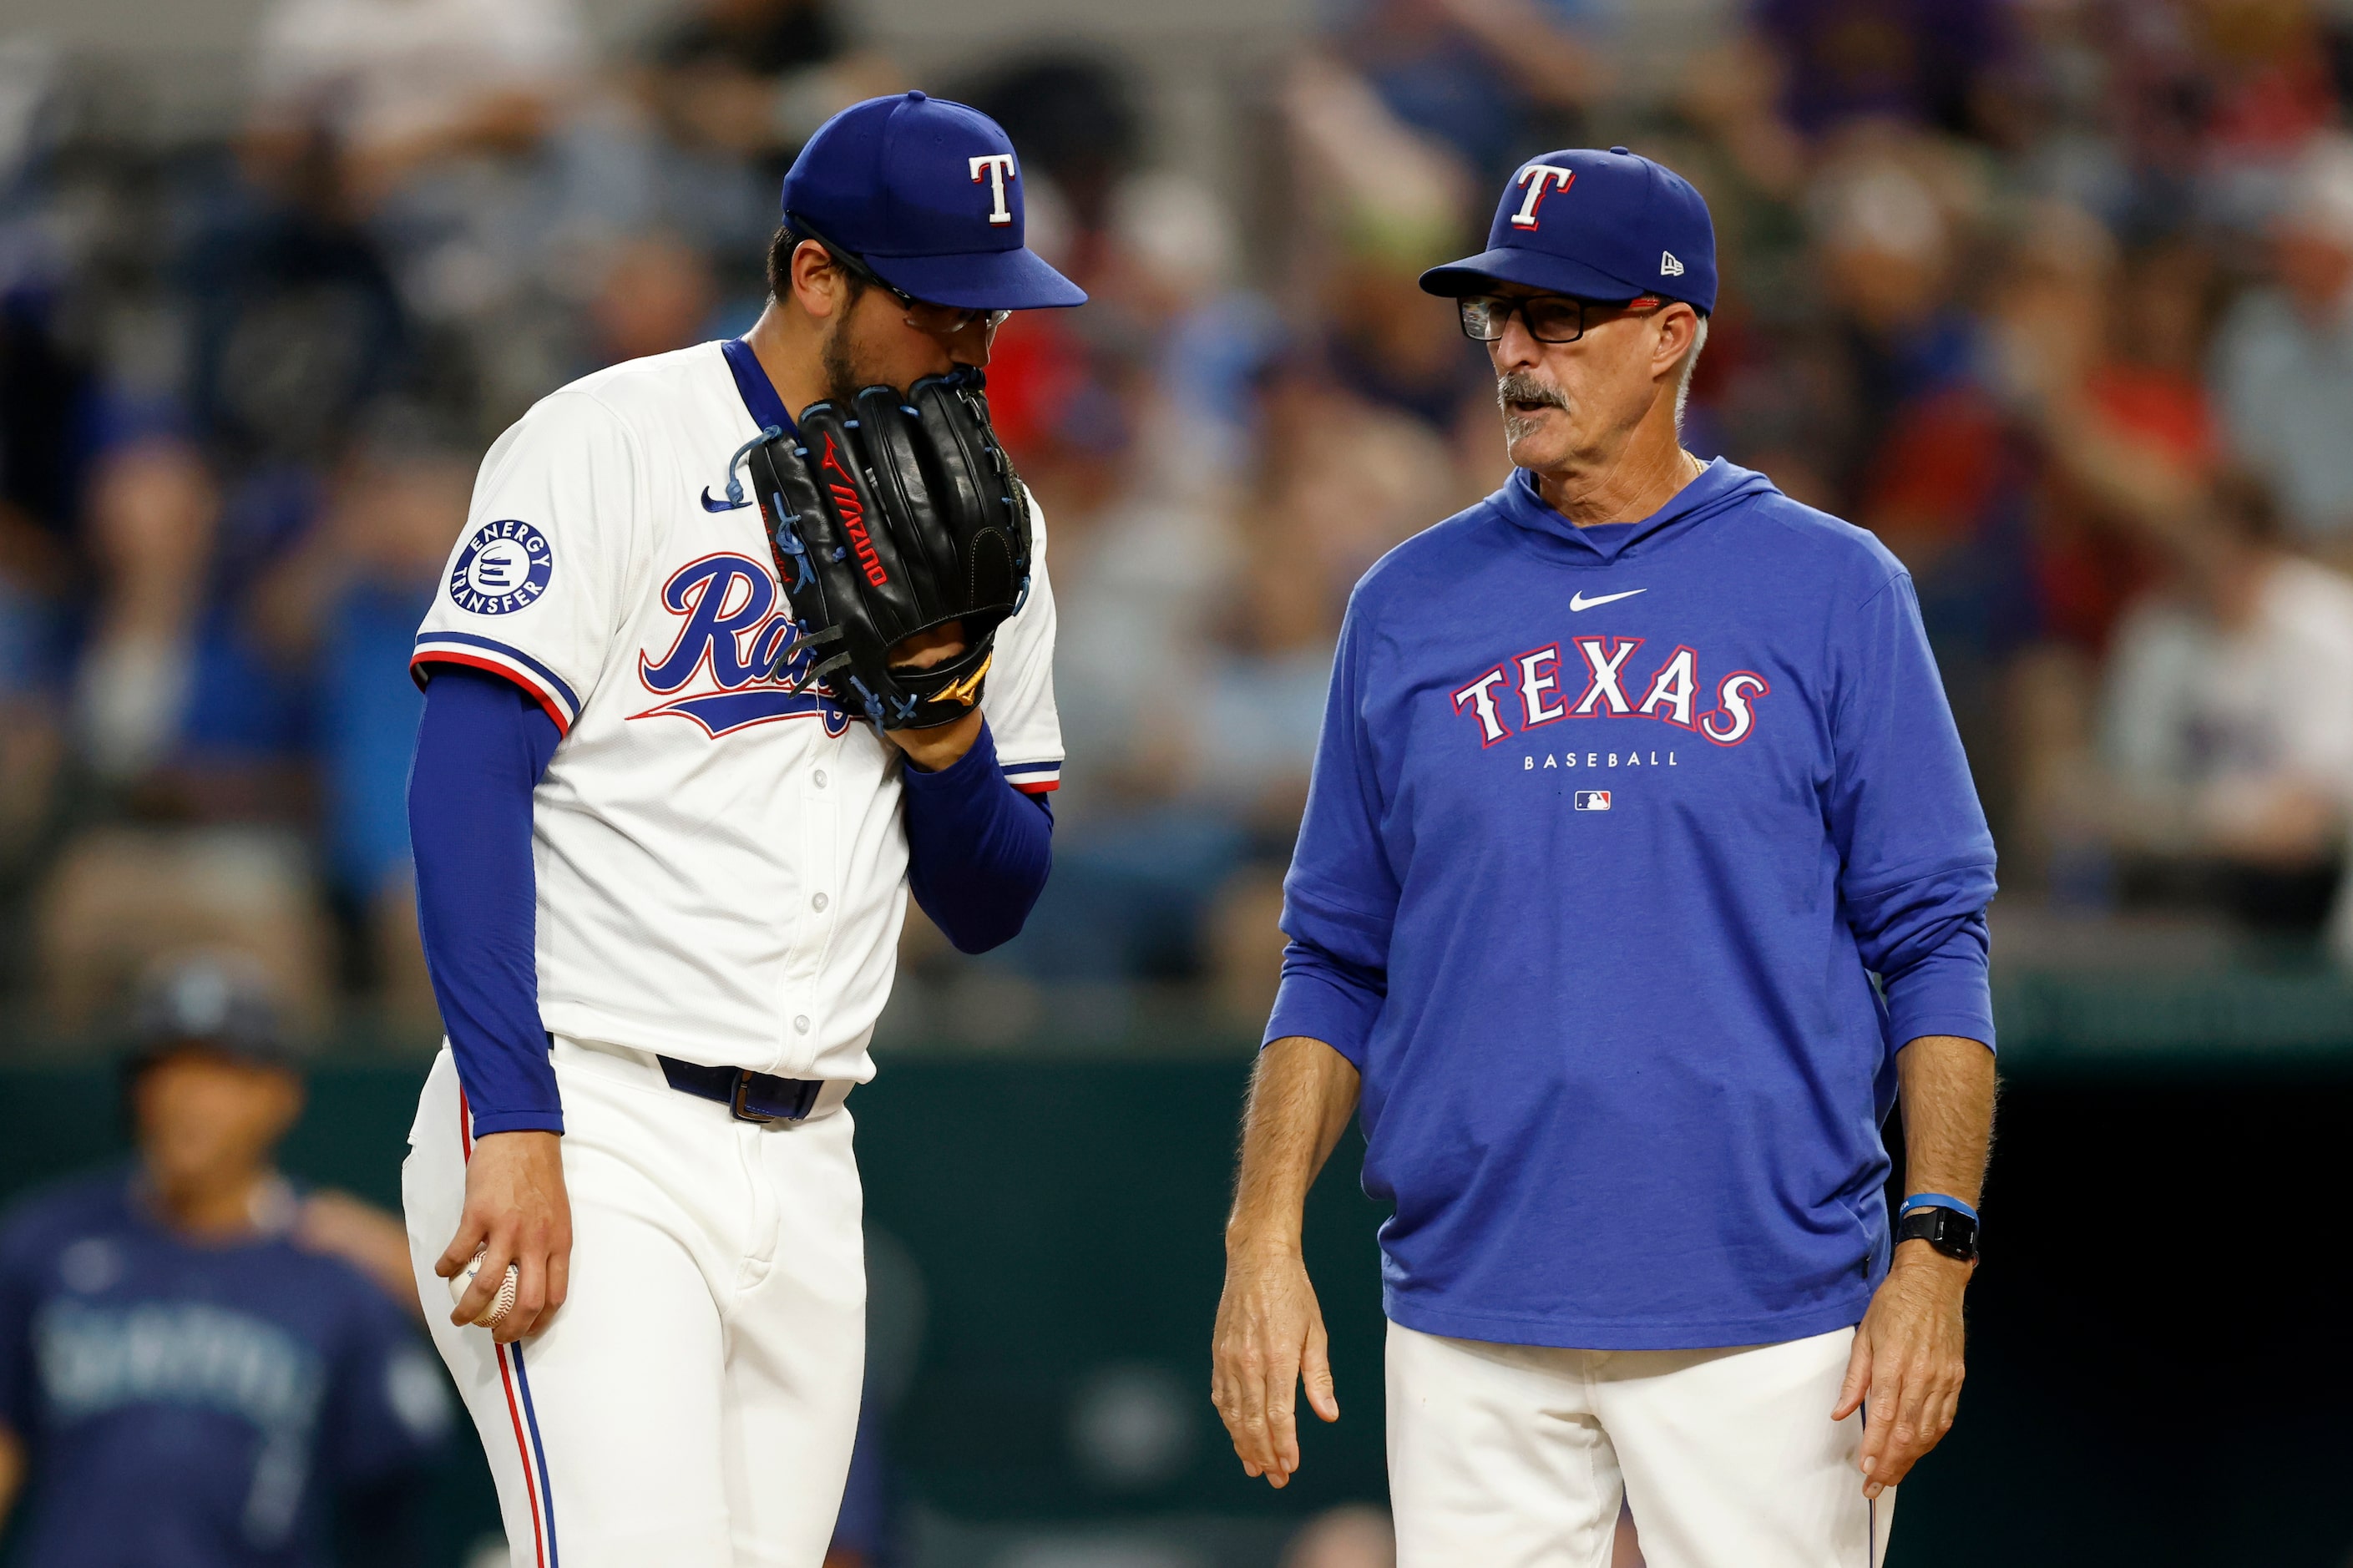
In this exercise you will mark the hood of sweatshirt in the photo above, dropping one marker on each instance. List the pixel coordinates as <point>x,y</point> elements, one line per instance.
<point>1719,488</point>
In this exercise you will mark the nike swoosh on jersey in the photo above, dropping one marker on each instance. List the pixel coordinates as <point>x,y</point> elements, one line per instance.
<point>709,505</point>
<point>1576,601</point>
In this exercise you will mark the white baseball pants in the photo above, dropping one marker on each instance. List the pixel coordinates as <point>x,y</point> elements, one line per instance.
<point>1518,1455</point>
<point>692,1402</point>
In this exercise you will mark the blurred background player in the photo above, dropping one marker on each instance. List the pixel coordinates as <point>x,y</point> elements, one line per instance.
<point>201,1366</point>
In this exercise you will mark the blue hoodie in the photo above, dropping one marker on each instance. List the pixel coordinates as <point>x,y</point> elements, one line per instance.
<point>1610,830</point>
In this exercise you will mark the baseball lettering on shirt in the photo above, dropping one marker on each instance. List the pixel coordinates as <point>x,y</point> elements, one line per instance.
<point>1538,179</point>
<point>998,168</point>
<point>1670,694</point>
<point>1593,760</point>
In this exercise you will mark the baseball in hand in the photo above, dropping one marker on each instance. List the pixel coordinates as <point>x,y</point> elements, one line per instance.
<point>501,1304</point>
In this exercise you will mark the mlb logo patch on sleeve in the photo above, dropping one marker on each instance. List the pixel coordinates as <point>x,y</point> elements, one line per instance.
<point>1591,800</point>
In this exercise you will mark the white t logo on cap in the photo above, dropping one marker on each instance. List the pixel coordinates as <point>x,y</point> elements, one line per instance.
<point>998,166</point>
<point>1539,178</point>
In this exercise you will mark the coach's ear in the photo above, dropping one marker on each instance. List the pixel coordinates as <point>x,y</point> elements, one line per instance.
<point>820,288</point>
<point>1677,325</point>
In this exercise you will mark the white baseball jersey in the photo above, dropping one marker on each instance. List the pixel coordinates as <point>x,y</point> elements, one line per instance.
<point>721,865</point>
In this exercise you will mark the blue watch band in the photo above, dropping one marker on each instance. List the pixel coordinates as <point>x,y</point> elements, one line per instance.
<point>1936,1201</point>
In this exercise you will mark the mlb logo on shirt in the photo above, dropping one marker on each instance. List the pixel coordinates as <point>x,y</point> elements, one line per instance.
<point>1592,800</point>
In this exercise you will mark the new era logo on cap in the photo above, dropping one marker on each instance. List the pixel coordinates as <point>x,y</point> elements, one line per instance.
<point>1668,266</point>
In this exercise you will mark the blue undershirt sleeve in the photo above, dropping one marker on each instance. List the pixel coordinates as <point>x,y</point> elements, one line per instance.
<point>481,750</point>
<point>978,850</point>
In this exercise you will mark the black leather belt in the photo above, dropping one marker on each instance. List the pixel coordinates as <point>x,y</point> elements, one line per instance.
<point>748,1096</point>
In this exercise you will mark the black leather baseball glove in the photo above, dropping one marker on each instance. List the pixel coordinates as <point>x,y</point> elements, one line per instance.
<point>894,517</point>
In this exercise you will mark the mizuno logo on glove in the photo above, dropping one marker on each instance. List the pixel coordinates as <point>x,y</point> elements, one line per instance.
<point>853,513</point>
<point>964,692</point>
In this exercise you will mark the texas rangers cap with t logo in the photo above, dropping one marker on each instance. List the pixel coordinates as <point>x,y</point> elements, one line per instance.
<point>1600,225</point>
<point>929,194</point>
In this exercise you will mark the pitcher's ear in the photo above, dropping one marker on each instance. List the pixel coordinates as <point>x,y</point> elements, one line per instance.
<point>816,285</point>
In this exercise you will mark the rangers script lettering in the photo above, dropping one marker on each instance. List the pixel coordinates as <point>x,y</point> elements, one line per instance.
<point>731,635</point>
<point>735,662</point>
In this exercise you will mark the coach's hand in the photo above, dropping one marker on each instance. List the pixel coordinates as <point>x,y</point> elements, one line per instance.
<point>1906,1367</point>
<point>1270,1334</point>
<point>1270,1339</point>
<point>516,1205</point>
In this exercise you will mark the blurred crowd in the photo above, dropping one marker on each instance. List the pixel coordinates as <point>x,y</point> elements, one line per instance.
<point>2055,296</point>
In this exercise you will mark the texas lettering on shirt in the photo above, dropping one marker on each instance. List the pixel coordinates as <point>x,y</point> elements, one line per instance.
<point>1527,691</point>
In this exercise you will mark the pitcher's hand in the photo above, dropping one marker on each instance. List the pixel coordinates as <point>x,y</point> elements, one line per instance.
<point>943,745</point>
<point>516,1205</point>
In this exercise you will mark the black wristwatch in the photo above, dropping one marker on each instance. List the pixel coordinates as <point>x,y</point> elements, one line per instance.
<point>1949,1231</point>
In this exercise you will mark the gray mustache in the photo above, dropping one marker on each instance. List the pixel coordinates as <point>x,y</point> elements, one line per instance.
<point>1521,387</point>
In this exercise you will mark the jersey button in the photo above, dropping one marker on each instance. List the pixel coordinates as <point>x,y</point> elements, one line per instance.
<point>819,902</point>
<point>801,1024</point>
<point>820,778</point>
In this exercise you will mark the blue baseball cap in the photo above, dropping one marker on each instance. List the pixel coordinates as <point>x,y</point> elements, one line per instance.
<point>1600,226</point>
<point>928,194</point>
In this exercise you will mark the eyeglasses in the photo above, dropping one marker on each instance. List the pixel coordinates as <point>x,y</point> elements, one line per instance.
<point>1550,318</point>
<point>940,321</point>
